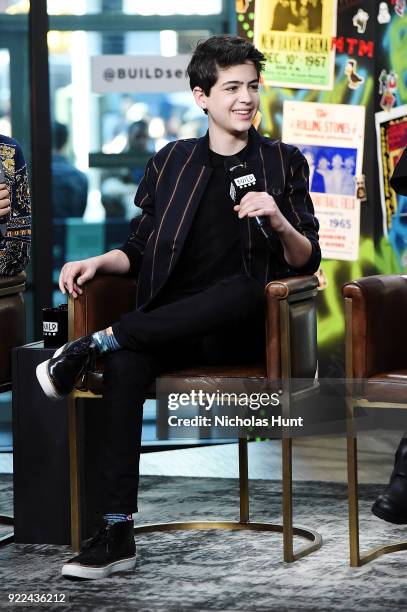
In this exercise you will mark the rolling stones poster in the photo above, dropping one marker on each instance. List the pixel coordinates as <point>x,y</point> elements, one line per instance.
<point>330,136</point>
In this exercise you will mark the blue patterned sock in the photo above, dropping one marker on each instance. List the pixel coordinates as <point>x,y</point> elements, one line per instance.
<point>105,342</point>
<point>116,517</point>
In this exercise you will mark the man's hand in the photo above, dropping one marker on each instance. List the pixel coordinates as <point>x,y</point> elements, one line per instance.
<point>297,248</point>
<point>5,203</point>
<point>76,273</point>
<point>261,204</point>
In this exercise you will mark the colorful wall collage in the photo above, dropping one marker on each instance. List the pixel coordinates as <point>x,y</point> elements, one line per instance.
<point>368,54</point>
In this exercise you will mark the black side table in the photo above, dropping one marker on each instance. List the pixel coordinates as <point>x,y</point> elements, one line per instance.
<point>41,456</point>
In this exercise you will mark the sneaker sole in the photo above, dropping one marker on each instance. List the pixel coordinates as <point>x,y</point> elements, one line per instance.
<point>93,573</point>
<point>45,380</point>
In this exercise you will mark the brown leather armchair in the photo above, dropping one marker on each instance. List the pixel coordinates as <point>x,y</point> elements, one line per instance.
<point>12,333</point>
<point>291,352</point>
<point>376,368</point>
<point>12,323</point>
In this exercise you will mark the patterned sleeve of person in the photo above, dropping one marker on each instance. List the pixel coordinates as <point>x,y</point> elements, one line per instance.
<point>15,228</point>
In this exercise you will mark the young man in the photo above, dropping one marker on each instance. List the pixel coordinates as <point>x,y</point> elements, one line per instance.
<point>202,266</point>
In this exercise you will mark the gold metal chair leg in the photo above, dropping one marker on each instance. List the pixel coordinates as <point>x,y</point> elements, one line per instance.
<point>357,559</point>
<point>74,473</point>
<point>243,481</point>
<point>314,540</point>
<point>287,500</point>
<point>353,501</point>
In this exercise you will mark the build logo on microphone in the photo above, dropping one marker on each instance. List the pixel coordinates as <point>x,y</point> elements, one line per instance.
<point>245,181</point>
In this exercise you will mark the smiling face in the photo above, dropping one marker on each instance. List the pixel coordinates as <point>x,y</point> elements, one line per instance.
<point>232,102</point>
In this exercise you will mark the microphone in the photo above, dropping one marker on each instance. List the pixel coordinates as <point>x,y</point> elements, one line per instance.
<point>243,180</point>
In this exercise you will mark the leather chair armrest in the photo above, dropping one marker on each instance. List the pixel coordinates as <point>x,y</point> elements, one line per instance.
<point>104,299</point>
<point>283,288</point>
<point>12,322</point>
<point>378,324</point>
<point>297,296</point>
<point>12,284</point>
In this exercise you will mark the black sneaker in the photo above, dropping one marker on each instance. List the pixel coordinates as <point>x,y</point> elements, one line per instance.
<point>58,375</point>
<point>111,550</point>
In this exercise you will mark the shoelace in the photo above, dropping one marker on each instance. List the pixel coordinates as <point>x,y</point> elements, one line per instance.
<point>100,538</point>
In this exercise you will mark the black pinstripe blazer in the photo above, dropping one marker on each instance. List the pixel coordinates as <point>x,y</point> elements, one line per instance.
<point>169,194</point>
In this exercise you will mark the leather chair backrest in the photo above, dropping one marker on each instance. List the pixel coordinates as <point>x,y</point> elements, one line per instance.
<point>100,307</point>
<point>379,308</point>
<point>12,321</point>
<point>303,339</point>
<point>302,320</point>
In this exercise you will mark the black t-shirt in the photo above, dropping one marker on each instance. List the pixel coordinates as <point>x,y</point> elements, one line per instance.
<point>212,249</point>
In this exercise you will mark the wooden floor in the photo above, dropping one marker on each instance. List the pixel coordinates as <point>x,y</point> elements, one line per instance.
<point>313,459</point>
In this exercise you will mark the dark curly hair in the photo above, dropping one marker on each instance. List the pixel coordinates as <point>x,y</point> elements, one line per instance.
<point>220,51</point>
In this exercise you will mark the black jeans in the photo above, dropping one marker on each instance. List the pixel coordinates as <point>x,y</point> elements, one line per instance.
<point>224,323</point>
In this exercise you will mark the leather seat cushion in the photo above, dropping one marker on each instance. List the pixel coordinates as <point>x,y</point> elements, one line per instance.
<point>387,387</point>
<point>12,331</point>
<point>199,376</point>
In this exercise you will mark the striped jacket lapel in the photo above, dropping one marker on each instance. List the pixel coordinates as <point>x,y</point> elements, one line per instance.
<point>178,196</point>
<point>267,164</point>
